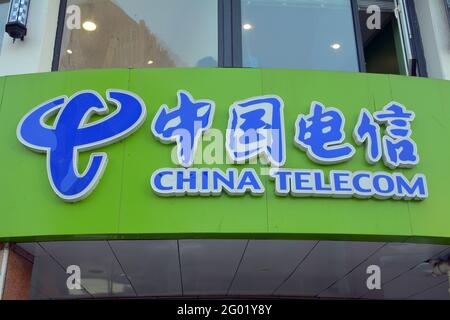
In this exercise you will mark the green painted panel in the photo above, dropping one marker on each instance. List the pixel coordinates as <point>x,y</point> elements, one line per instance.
<point>429,100</point>
<point>2,87</point>
<point>123,205</point>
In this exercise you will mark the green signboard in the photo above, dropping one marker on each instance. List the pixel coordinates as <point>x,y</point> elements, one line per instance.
<point>126,197</point>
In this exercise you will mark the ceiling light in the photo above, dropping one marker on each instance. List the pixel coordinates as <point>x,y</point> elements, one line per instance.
<point>335,46</point>
<point>247,26</point>
<point>89,26</point>
<point>150,62</point>
<point>69,51</point>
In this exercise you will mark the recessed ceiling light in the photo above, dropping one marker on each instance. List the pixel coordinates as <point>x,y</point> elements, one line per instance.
<point>247,26</point>
<point>69,51</point>
<point>89,26</point>
<point>335,46</point>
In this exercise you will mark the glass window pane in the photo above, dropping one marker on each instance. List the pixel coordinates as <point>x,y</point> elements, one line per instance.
<point>141,33</point>
<point>299,34</point>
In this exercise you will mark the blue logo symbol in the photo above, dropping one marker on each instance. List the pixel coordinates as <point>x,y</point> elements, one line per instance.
<point>72,132</point>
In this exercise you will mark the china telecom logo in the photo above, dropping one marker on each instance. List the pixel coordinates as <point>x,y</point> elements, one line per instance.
<point>72,133</point>
<point>255,131</point>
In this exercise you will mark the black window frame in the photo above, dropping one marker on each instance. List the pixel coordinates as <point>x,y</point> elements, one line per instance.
<point>419,66</point>
<point>230,36</point>
<point>59,34</point>
<point>358,36</point>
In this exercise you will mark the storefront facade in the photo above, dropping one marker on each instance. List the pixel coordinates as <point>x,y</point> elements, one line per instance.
<point>299,170</point>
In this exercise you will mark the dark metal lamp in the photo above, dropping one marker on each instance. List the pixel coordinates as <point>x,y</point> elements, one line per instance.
<point>16,26</point>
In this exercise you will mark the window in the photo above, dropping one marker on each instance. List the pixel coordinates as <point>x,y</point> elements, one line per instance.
<point>299,34</point>
<point>382,48</point>
<point>141,33</point>
<point>292,34</point>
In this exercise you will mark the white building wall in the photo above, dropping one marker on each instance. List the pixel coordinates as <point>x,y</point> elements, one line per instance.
<point>435,32</point>
<point>35,53</point>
